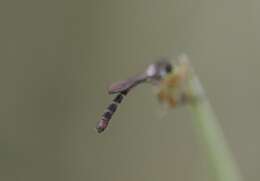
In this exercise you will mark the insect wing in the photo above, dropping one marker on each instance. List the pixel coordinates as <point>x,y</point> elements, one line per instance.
<point>125,85</point>
<point>120,86</point>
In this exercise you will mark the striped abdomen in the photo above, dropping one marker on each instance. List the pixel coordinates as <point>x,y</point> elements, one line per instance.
<point>111,109</point>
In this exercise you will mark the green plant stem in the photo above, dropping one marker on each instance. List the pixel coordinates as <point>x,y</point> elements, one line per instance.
<point>221,162</point>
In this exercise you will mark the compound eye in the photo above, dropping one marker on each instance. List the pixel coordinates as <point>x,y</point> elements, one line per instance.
<point>168,68</point>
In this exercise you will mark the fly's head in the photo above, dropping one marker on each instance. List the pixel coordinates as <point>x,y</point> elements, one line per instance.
<point>156,71</point>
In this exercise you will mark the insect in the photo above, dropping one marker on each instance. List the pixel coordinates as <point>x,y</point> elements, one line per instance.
<point>153,74</point>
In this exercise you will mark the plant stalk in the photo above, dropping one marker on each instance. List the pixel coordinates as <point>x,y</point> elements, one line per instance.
<point>221,162</point>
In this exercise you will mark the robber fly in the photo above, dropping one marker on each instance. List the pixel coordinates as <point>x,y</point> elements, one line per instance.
<point>153,74</point>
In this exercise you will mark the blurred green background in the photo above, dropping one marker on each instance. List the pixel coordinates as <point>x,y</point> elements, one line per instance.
<point>58,57</point>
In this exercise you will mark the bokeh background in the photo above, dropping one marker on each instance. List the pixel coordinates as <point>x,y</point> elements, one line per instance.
<point>58,57</point>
